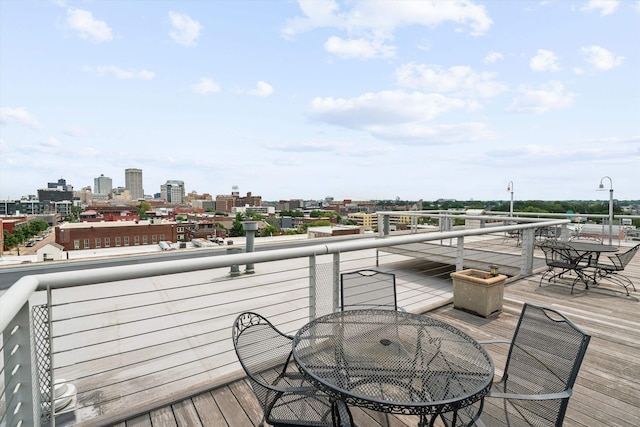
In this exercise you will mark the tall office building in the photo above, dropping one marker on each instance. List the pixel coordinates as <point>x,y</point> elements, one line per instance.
<point>172,191</point>
<point>133,183</point>
<point>102,185</point>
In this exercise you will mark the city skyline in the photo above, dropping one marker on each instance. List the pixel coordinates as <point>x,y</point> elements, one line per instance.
<point>360,100</point>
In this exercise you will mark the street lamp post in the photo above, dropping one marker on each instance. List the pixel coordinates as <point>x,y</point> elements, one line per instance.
<point>510,188</point>
<point>601,187</point>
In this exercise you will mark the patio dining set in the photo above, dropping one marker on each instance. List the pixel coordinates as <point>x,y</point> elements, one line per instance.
<point>370,354</point>
<point>587,262</point>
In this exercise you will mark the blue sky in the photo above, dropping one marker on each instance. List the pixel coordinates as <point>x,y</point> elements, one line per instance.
<point>308,99</point>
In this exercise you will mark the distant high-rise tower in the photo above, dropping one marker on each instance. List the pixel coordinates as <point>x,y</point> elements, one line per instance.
<point>133,183</point>
<point>102,185</point>
<point>172,191</point>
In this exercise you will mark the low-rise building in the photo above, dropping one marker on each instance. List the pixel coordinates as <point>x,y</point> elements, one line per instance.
<point>366,220</point>
<point>97,235</point>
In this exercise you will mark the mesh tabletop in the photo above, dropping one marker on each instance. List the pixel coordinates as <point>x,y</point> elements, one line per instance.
<point>591,247</point>
<point>392,361</point>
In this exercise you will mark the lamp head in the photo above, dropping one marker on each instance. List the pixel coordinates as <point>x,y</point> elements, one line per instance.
<point>494,270</point>
<point>601,187</point>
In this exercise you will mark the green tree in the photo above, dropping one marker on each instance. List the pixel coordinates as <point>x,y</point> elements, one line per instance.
<point>143,208</point>
<point>20,234</point>
<point>74,214</point>
<point>269,230</point>
<point>10,240</point>
<point>237,229</point>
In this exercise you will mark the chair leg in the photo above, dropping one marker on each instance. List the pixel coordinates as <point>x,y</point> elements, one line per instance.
<point>616,278</point>
<point>620,279</point>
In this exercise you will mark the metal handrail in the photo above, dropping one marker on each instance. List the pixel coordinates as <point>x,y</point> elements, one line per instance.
<point>18,294</point>
<point>15,301</point>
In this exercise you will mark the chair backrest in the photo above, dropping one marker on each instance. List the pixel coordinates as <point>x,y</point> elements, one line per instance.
<point>368,289</point>
<point>621,260</point>
<point>264,353</point>
<point>558,253</point>
<point>545,356</point>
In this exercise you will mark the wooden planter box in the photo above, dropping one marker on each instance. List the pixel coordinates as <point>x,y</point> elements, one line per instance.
<point>478,292</point>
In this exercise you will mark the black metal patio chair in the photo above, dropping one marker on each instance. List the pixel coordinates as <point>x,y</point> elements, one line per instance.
<point>544,359</point>
<point>286,398</point>
<point>560,256</point>
<point>617,263</point>
<point>368,289</point>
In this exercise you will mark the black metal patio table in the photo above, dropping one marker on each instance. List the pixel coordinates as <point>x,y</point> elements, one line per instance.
<point>589,256</point>
<point>394,362</point>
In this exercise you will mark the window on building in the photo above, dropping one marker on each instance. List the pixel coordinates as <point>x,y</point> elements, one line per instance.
<point>145,240</point>
<point>107,242</point>
<point>86,243</point>
<point>180,229</point>
<point>154,239</point>
<point>98,243</point>
<point>118,241</point>
<point>76,244</point>
<point>136,240</point>
<point>126,240</point>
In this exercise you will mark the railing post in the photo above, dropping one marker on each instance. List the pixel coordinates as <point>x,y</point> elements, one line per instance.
<point>528,240</point>
<point>18,377</point>
<point>460,254</point>
<point>313,287</point>
<point>386,225</point>
<point>336,281</point>
<point>414,225</point>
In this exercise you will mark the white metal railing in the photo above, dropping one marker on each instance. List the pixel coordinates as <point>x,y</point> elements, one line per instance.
<point>131,338</point>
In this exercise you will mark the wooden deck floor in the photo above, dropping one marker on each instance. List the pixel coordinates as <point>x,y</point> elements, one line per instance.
<point>607,391</point>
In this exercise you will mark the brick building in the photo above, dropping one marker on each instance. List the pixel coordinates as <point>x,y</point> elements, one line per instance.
<point>225,203</point>
<point>97,235</point>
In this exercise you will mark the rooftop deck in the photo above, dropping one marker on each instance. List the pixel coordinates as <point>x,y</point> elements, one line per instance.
<point>607,391</point>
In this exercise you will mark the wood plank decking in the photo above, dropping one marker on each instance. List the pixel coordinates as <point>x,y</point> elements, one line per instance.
<point>607,391</point>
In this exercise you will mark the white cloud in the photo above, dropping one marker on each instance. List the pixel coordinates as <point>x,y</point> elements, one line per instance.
<point>205,85</point>
<point>600,58</point>
<point>50,142</point>
<point>400,116</point>
<point>119,73</point>
<point>303,146</point>
<point>369,24</point>
<point>457,80</point>
<point>383,108</point>
<point>492,57</point>
<point>263,89</point>
<point>545,60</point>
<point>76,132</point>
<point>185,31</point>
<point>606,7</point>
<point>436,134</point>
<point>317,14</point>
<point>550,96</point>
<point>87,26</point>
<point>20,116</point>
<point>358,48</point>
